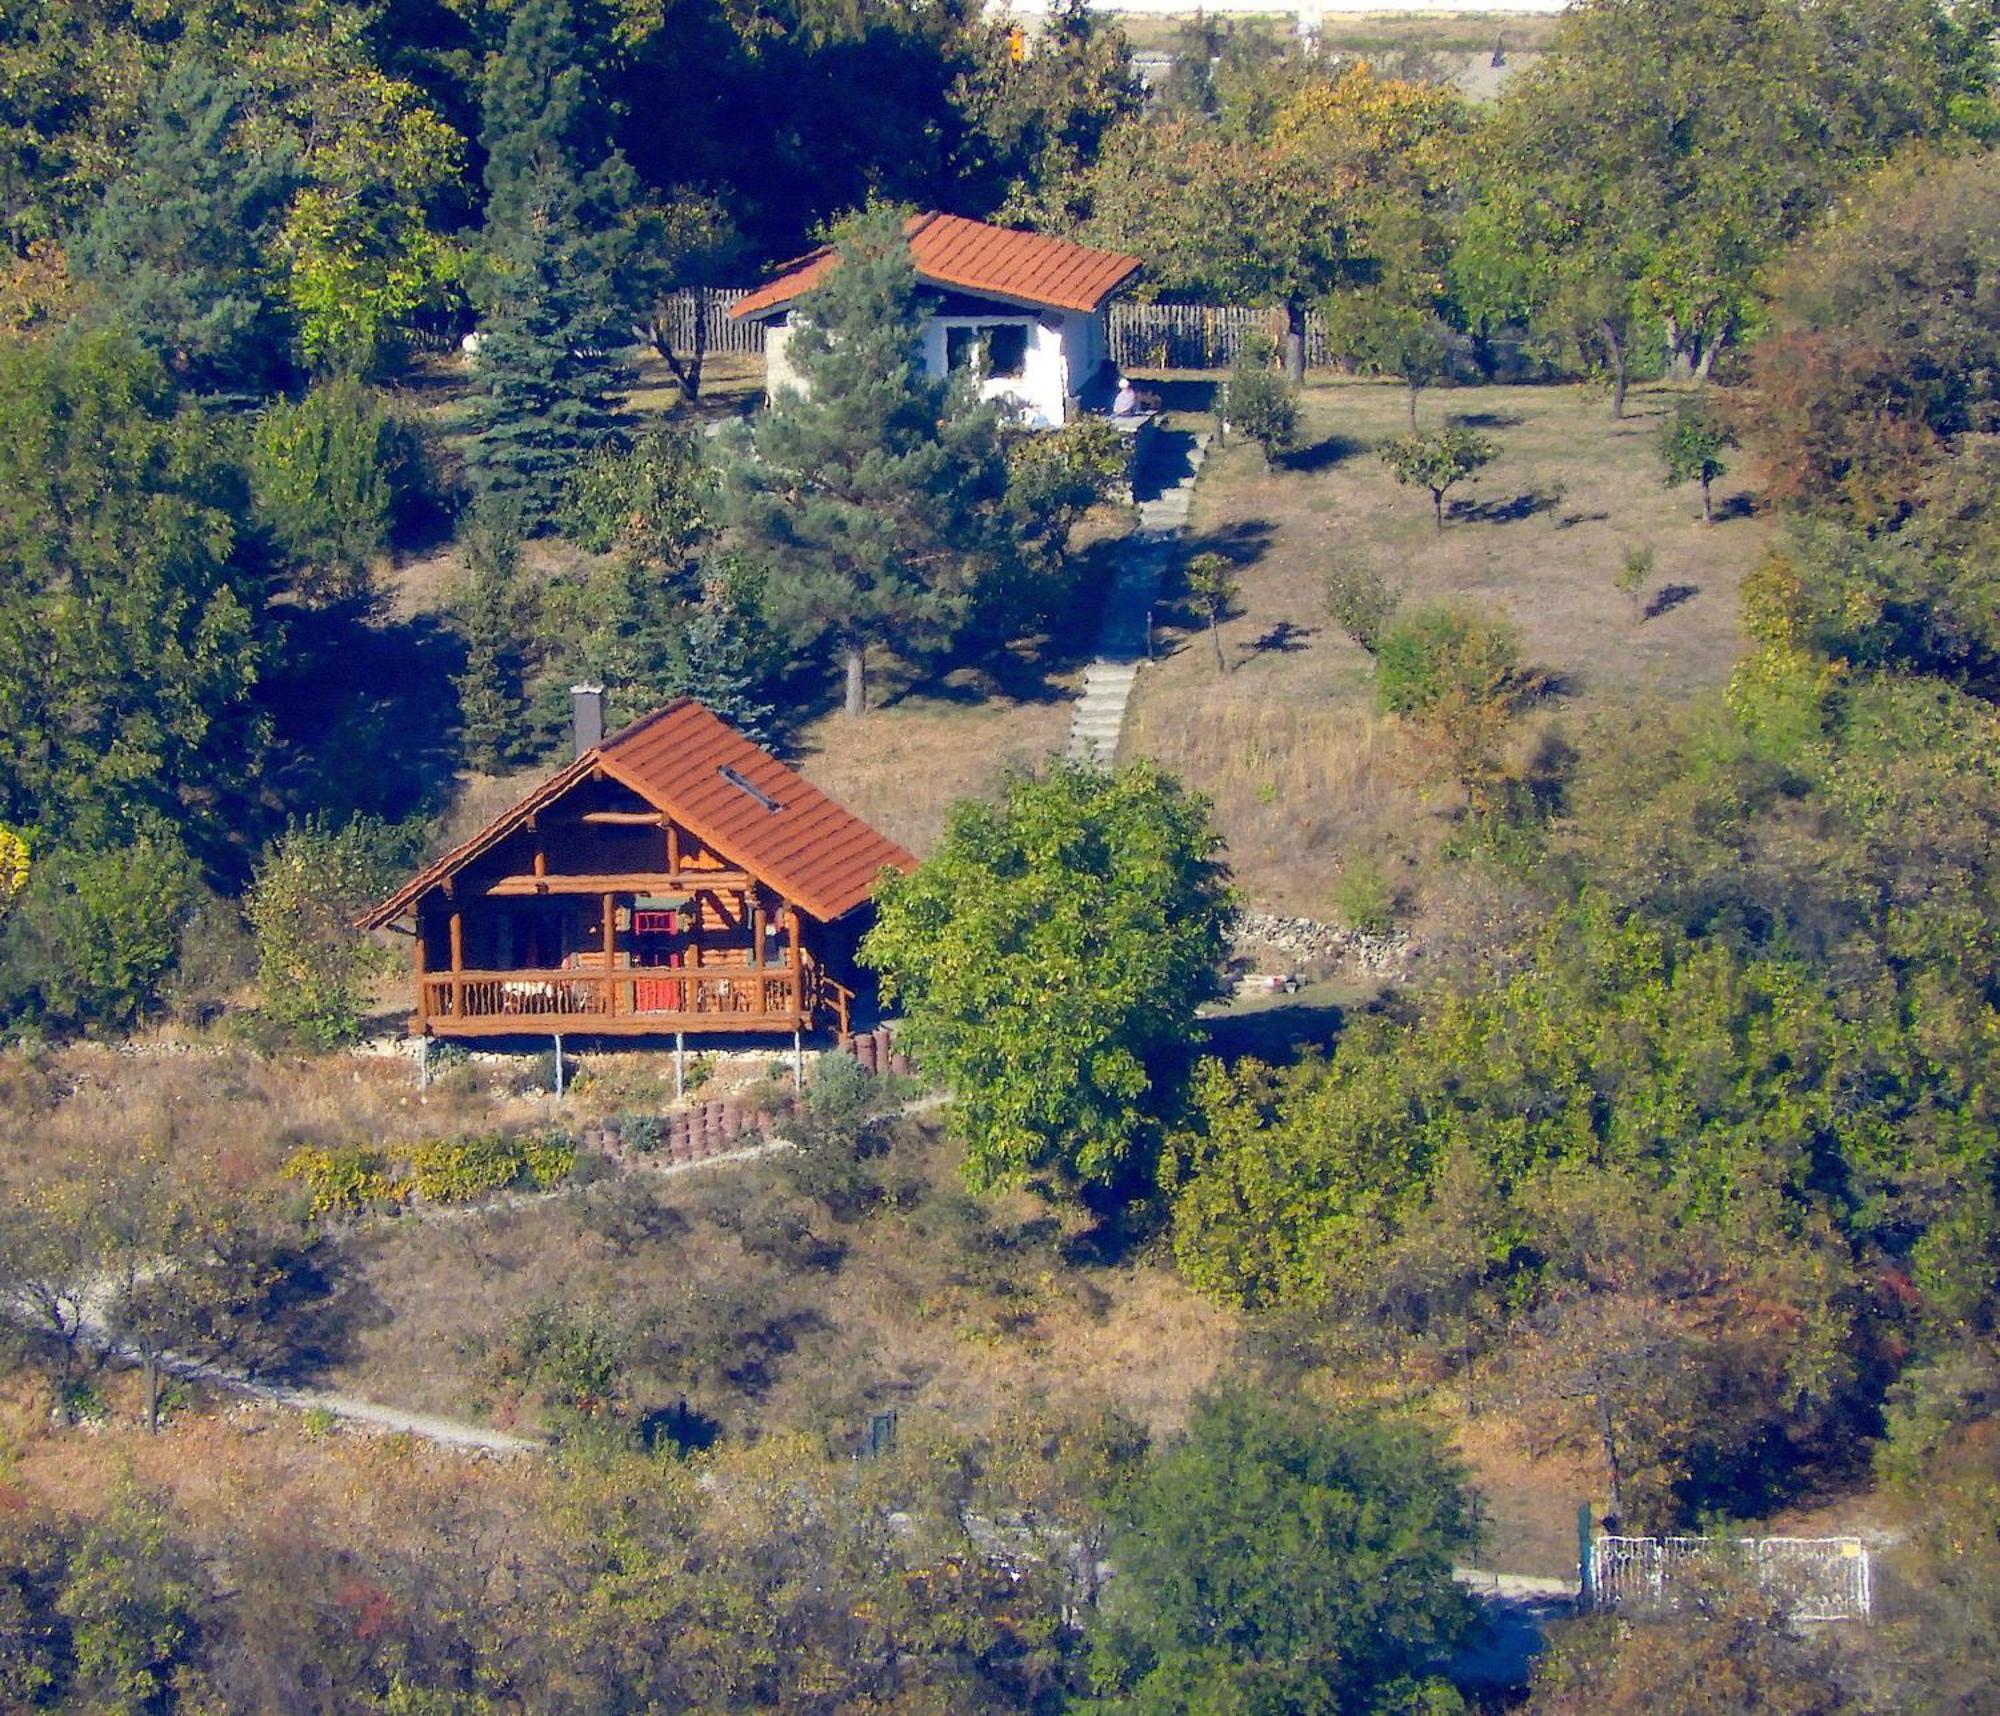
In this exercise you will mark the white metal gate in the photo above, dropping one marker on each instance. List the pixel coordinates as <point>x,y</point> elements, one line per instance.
<point>1812,1578</point>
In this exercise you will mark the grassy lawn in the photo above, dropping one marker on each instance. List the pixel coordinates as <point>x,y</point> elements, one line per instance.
<point>1305,774</point>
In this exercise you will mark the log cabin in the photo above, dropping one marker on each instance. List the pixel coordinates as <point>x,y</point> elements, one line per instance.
<point>674,878</point>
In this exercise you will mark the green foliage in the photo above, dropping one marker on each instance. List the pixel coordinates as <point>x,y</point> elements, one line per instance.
<point>359,248</point>
<point>1438,461</point>
<point>1638,177</point>
<point>1364,897</point>
<point>175,250</point>
<point>311,883</point>
<point>649,502</point>
<point>1439,654</point>
<point>1278,1561</point>
<point>833,1140</point>
<point>1212,587</point>
<point>1691,446</point>
<point>1039,119</point>
<point>1361,602</point>
<point>564,283</point>
<point>1259,403</point>
<point>1386,333</point>
<point>872,502</point>
<point>94,935</point>
<point>1049,958</point>
<point>1056,476</point>
<point>329,477</point>
<point>347,1181</point>
<point>494,731</point>
<point>352,1180</point>
<point>131,1600</point>
<point>573,1362</point>
<point>1635,572</point>
<point>460,1170</point>
<point>131,637</point>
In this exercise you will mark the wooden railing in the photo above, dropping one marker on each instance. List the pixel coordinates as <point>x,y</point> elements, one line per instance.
<point>766,995</point>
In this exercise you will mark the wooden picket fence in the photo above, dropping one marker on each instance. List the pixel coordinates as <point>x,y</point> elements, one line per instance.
<point>1200,336</point>
<point>724,335</point>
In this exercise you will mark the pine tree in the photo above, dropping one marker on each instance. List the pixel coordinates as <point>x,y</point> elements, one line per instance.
<point>564,274</point>
<point>870,501</point>
<point>492,692</point>
<point>175,251</point>
<point>725,660</point>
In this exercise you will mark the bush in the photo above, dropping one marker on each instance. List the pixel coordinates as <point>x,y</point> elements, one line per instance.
<point>1258,401</point>
<point>348,1180</point>
<point>1364,897</point>
<point>93,935</point>
<point>330,476</point>
<point>649,501</point>
<point>1053,479</point>
<point>301,905</point>
<point>1361,602</point>
<point>1441,650</point>
<point>1278,1560</point>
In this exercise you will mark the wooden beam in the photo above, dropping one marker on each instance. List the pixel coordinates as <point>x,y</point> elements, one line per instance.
<point>417,971</point>
<point>622,882</point>
<point>673,845</point>
<point>610,939</point>
<point>625,818</point>
<point>457,963</point>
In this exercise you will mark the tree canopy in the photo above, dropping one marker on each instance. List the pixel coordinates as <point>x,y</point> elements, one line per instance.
<point>1048,959</point>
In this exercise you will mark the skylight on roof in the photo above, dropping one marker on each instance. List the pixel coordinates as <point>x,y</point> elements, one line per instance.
<point>743,785</point>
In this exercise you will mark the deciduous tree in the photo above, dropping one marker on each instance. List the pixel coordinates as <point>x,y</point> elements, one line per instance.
<point>1049,958</point>
<point>1276,1561</point>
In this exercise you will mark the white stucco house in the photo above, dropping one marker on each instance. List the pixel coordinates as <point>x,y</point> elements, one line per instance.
<point>1027,314</point>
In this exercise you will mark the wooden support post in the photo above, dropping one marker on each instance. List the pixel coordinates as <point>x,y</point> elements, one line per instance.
<point>680,1064</point>
<point>796,959</point>
<point>757,931</point>
<point>673,848</point>
<point>798,1063</point>
<point>423,1011</point>
<point>457,963</point>
<point>559,1067</point>
<point>610,939</point>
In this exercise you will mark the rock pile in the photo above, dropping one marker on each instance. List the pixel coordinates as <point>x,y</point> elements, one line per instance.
<point>1265,940</point>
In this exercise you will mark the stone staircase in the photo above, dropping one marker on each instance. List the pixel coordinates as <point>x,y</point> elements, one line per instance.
<point>1165,489</point>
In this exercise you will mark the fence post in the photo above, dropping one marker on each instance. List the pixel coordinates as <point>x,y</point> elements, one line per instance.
<point>1586,1570</point>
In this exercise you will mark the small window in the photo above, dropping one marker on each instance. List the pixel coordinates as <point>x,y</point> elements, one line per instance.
<point>1006,350</point>
<point>961,348</point>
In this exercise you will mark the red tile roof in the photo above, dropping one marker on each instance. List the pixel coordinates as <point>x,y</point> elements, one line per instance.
<point>820,857</point>
<point>949,250</point>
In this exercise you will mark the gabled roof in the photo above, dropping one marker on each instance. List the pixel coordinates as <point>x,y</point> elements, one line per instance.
<point>973,256</point>
<point>820,857</point>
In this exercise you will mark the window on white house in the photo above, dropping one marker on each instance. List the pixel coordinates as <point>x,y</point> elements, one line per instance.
<point>961,348</point>
<point>1006,350</point>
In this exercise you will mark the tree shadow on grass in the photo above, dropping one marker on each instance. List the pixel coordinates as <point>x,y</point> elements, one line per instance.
<point>1524,505</point>
<point>1570,520</point>
<point>1184,393</point>
<point>1242,542</point>
<point>316,1303</point>
<point>1487,419</point>
<point>1669,597</point>
<point>1284,639</point>
<point>1322,455</point>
